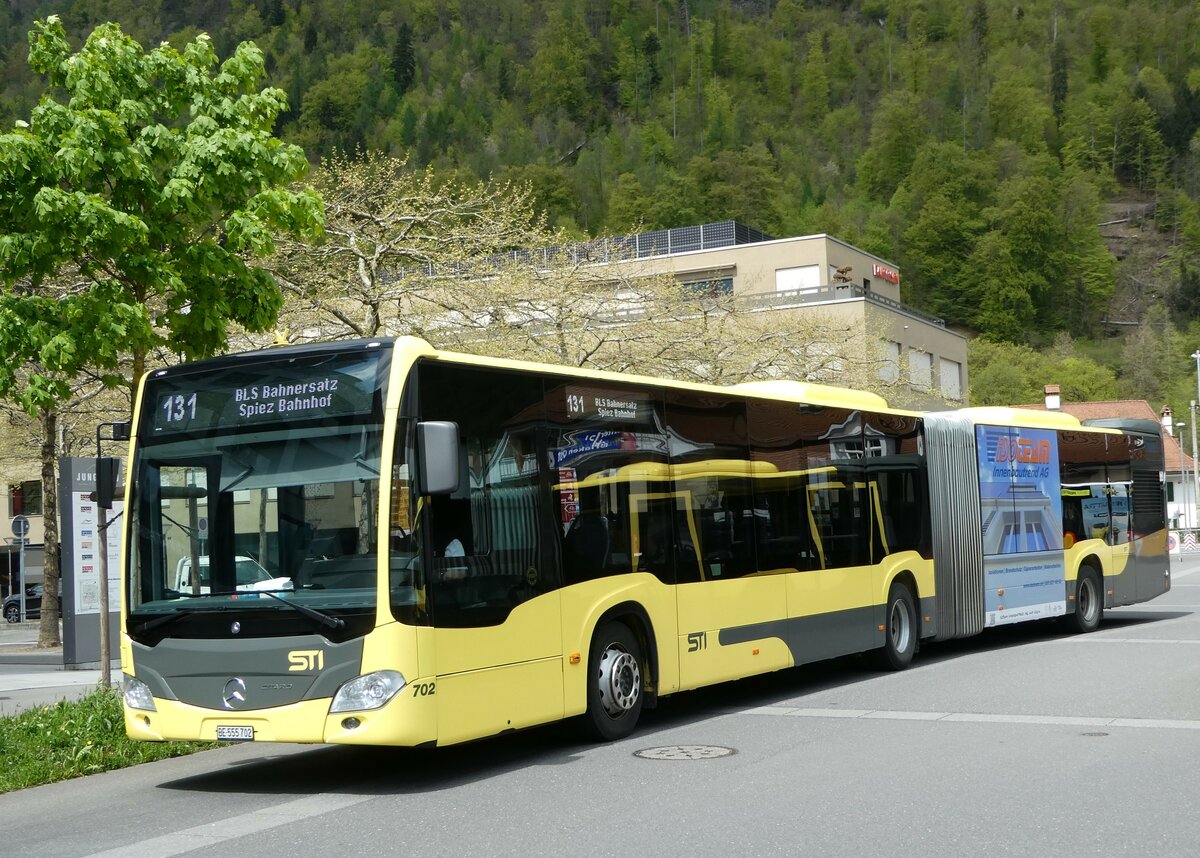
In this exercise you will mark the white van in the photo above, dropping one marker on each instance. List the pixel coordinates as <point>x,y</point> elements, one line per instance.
<point>250,575</point>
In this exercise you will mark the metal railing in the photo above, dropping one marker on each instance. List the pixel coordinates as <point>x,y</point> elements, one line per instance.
<point>835,292</point>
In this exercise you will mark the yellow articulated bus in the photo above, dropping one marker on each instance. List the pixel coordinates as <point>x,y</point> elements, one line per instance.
<point>443,547</point>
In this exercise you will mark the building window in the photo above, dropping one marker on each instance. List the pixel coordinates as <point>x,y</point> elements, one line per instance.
<point>711,288</point>
<point>920,370</point>
<point>889,370</point>
<point>950,377</point>
<point>805,278</point>
<point>26,498</point>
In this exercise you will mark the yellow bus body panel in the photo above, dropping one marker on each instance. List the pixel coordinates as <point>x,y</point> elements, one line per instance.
<point>583,606</point>
<point>484,702</point>
<point>707,607</point>
<point>905,561</point>
<point>502,677</point>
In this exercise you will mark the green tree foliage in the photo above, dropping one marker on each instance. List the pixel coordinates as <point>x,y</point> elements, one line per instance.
<point>897,132</point>
<point>132,203</point>
<point>558,79</point>
<point>1086,101</point>
<point>1152,357</point>
<point>1015,374</point>
<point>814,82</point>
<point>157,175</point>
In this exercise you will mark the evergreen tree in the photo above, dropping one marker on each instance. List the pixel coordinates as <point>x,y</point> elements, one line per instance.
<point>503,79</point>
<point>1058,80</point>
<point>814,82</point>
<point>272,13</point>
<point>404,62</point>
<point>650,48</point>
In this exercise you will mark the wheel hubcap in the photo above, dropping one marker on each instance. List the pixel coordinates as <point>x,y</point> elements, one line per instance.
<point>1087,599</point>
<point>620,680</point>
<point>899,626</point>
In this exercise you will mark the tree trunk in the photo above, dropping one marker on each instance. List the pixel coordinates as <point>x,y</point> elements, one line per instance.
<point>48,630</point>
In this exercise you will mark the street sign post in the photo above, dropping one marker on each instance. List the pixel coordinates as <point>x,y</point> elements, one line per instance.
<point>20,529</point>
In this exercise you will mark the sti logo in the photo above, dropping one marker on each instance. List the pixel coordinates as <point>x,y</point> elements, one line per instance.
<point>306,659</point>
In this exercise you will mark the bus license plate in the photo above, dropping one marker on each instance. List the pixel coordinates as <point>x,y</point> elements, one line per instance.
<point>235,734</point>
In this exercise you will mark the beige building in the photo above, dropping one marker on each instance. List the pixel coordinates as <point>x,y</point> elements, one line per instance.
<point>803,274</point>
<point>21,495</point>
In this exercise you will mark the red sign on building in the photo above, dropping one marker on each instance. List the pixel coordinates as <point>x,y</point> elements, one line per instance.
<point>891,275</point>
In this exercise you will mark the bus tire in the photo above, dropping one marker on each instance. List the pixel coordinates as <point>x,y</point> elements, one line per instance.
<point>1089,601</point>
<point>899,630</point>
<point>614,689</point>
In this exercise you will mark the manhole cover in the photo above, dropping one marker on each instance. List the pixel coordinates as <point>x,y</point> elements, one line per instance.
<point>684,752</point>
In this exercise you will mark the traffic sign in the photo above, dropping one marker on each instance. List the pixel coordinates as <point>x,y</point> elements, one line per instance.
<point>20,526</point>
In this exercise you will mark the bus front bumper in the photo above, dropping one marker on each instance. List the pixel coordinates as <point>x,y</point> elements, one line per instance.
<point>405,720</point>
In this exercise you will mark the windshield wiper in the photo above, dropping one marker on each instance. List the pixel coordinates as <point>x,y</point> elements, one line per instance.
<point>175,614</point>
<point>323,619</point>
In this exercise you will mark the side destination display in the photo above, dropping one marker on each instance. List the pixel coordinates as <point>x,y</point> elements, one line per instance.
<point>322,386</point>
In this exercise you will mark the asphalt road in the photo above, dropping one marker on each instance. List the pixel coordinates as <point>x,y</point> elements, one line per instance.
<point>1023,741</point>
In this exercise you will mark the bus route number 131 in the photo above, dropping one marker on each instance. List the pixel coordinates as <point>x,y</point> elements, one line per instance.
<point>179,408</point>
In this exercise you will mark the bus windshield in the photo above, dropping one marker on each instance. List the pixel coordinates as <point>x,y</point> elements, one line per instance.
<point>266,511</point>
<point>228,506</point>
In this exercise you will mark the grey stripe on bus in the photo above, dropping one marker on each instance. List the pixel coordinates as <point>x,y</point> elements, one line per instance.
<point>820,636</point>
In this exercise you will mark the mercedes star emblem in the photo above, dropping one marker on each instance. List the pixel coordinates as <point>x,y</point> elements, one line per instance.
<point>234,695</point>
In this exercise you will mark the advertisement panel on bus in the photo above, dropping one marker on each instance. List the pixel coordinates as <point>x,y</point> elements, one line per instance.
<point>1021,503</point>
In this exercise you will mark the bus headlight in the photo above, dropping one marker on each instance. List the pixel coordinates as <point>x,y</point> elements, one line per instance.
<point>367,692</point>
<point>137,694</point>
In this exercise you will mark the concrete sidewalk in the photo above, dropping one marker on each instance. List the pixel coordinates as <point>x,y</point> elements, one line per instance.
<point>18,644</point>
<point>31,677</point>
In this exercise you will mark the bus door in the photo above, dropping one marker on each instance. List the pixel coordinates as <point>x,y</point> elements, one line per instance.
<point>1119,533</point>
<point>830,605</point>
<point>497,636</point>
<point>492,574</point>
<point>729,615</point>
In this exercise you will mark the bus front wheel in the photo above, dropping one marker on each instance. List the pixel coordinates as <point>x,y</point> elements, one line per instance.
<point>1089,601</point>
<point>899,631</point>
<point>615,693</point>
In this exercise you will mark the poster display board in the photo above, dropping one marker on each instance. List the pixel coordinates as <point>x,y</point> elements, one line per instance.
<point>1021,500</point>
<point>80,563</point>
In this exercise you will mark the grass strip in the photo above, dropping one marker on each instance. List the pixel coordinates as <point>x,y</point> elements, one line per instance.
<point>73,738</point>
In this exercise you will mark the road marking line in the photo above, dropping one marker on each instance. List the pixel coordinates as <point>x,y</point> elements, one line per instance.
<point>220,830</point>
<point>978,718</point>
<point>1101,639</point>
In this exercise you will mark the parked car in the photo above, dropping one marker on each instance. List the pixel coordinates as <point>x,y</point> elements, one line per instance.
<point>249,572</point>
<point>33,604</point>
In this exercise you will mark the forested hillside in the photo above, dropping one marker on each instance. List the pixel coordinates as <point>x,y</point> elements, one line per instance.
<point>979,145</point>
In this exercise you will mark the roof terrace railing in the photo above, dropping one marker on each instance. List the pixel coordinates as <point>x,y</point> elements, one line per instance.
<point>835,292</point>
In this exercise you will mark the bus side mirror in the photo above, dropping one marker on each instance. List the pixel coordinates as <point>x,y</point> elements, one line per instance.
<point>106,481</point>
<point>437,454</point>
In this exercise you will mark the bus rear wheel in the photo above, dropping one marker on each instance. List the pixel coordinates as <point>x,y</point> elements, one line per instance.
<point>899,630</point>
<point>614,690</point>
<point>1089,601</point>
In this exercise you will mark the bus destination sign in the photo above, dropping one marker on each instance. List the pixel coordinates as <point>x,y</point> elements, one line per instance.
<point>330,387</point>
<point>615,405</point>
